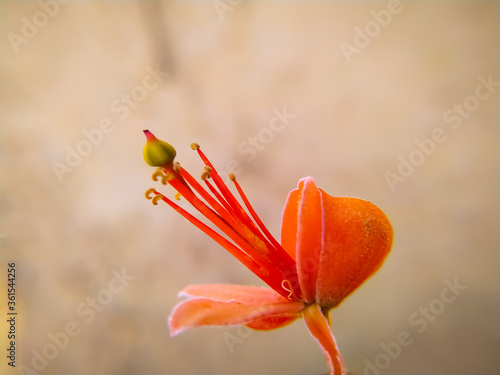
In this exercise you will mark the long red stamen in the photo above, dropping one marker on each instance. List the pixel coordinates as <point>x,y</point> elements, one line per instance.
<point>252,243</point>
<point>257,218</point>
<point>237,210</point>
<point>224,224</point>
<point>234,250</point>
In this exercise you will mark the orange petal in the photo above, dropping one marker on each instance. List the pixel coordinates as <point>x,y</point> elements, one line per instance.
<point>224,309</point>
<point>357,238</point>
<point>339,242</point>
<point>320,331</point>
<point>301,233</point>
<point>273,322</point>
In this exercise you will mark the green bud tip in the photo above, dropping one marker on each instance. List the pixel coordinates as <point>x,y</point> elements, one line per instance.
<point>157,153</point>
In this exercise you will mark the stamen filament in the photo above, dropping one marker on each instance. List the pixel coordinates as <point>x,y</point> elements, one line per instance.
<point>239,254</point>
<point>237,210</point>
<point>219,197</point>
<point>256,217</point>
<point>229,226</point>
<point>242,233</point>
<point>277,256</point>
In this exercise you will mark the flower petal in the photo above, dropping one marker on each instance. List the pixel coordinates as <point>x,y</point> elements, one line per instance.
<point>339,242</point>
<point>273,322</point>
<point>320,331</point>
<point>357,238</point>
<point>249,295</point>
<point>302,233</point>
<point>222,309</point>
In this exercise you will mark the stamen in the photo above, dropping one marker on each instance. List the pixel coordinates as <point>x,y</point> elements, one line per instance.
<point>258,220</point>
<point>157,174</point>
<point>244,258</point>
<point>207,173</point>
<point>166,178</point>
<point>247,239</point>
<point>288,288</point>
<point>149,192</point>
<point>157,198</point>
<point>178,196</point>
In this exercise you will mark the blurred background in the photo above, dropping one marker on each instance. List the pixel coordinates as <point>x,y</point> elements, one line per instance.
<point>275,91</point>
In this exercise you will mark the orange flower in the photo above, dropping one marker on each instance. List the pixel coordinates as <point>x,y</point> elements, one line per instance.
<point>329,247</point>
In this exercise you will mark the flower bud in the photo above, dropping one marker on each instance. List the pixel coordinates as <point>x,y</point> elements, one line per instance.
<point>157,153</point>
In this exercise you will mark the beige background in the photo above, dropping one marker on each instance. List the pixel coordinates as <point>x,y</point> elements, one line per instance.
<point>226,77</point>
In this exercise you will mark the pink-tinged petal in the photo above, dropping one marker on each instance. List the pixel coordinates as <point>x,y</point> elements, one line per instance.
<point>302,232</point>
<point>200,311</point>
<point>249,295</point>
<point>320,331</point>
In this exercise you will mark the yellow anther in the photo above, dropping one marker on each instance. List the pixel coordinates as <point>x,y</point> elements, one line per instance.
<point>157,174</point>
<point>178,196</point>
<point>195,146</point>
<point>206,175</point>
<point>177,166</point>
<point>167,178</point>
<point>149,192</point>
<point>232,176</point>
<point>288,287</point>
<point>157,198</point>
<point>207,168</point>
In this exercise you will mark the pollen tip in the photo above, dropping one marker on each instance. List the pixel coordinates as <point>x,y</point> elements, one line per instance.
<point>232,176</point>
<point>157,198</point>
<point>206,174</point>
<point>149,192</point>
<point>178,196</point>
<point>166,178</point>
<point>195,146</point>
<point>157,174</point>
